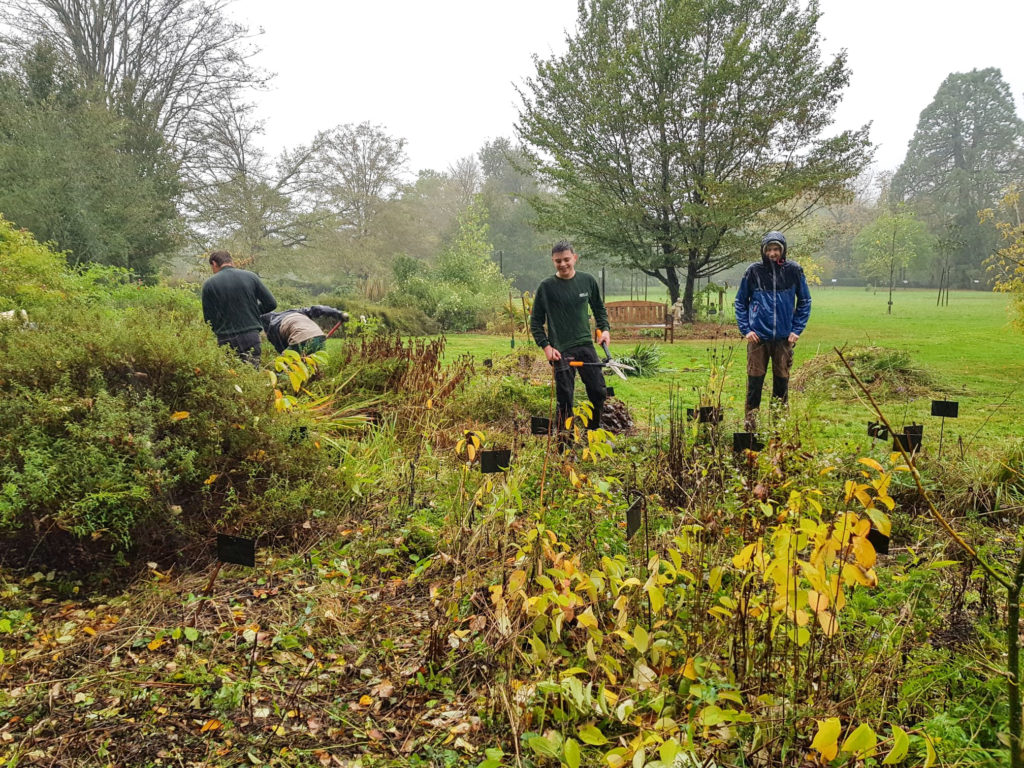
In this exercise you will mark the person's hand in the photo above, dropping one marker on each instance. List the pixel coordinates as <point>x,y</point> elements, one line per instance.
<point>552,354</point>
<point>792,338</point>
<point>604,338</point>
<point>751,336</point>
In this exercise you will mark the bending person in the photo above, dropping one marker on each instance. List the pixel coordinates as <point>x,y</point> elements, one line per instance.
<point>294,328</point>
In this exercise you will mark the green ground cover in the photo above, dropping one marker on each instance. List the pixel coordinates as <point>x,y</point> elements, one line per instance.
<point>968,349</point>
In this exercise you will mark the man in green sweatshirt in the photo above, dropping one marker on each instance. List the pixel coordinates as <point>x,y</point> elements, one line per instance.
<point>562,303</point>
<point>233,301</point>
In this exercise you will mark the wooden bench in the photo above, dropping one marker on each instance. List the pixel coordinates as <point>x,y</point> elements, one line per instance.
<point>624,316</point>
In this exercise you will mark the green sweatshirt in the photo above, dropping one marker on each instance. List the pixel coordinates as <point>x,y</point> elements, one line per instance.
<point>233,301</point>
<point>562,304</point>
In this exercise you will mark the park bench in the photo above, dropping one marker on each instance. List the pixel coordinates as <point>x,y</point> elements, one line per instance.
<point>626,316</point>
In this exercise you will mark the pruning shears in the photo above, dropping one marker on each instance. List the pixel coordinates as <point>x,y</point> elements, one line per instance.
<point>344,317</point>
<point>612,365</point>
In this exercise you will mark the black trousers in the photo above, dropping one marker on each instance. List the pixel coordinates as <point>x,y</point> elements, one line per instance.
<point>247,345</point>
<point>593,380</point>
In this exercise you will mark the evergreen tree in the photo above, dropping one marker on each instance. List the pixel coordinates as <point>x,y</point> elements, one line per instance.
<point>966,149</point>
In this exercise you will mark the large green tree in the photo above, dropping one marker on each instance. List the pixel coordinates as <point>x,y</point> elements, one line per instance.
<point>70,173</point>
<point>672,128</point>
<point>966,149</point>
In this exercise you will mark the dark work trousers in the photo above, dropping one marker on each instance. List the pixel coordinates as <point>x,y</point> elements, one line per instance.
<point>247,345</point>
<point>759,353</point>
<point>593,380</point>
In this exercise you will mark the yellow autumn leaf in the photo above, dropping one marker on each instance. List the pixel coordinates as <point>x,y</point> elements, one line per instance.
<point>211,479</point>
<point>471,451</point>
<point>210,725</point>
<point>856,574</point>
<point>826,740</point>
<point>587,619</point>
<point>863,551</point>
<point>179,415</point>
<point>742,559</point>
<point>365,701</point>
<point>89,631</point>
<point>690,671</point>
<point>829,623</point>
<point>867,462</point>
<point>817,601</point>
<point>155,643</point>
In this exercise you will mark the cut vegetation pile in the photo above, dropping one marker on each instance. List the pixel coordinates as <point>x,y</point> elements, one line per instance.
<point>886,372</point>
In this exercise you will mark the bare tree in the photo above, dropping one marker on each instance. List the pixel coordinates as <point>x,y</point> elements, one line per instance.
<point>170,65</point>
<point>362,167</point>
<point>242,197</point>
<point>467,179</point>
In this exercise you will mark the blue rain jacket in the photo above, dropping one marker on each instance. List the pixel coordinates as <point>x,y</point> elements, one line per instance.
<point>773,300</point>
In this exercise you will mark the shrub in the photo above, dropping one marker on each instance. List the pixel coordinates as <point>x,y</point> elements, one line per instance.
<point>126,427</point>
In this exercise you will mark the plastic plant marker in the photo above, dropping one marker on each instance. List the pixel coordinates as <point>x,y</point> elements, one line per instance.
<point>236,550</point>
<point>879,541</point>
<point>539,425</point>
<point>947,409</point>
<point>495,461</point>
<point>633,519</point>
<point>745,441</point>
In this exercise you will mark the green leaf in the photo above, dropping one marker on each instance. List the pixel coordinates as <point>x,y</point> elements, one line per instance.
<point>542,746</point>
<point>930,756</point>
<point>900,745</point>
<point>191,634</point>
<point>861,742</point>
<point>591,734</point>
<point>657,595</point>
<point>641,639</point>
<point>571,750</point>
<point>493,760</point>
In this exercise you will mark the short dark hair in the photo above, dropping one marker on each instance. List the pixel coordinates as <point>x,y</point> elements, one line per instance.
<point>220,258</point>
<point>562,245</point>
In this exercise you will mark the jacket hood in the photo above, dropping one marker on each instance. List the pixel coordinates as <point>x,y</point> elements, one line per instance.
<point>773,237</point>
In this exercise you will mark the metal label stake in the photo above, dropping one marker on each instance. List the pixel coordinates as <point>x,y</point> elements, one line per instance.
<point>944,408</point>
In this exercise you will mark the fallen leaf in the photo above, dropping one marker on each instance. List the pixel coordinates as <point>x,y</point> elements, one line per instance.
<point>365,701</point>
<point>179,415</point>
<point>210,725</point>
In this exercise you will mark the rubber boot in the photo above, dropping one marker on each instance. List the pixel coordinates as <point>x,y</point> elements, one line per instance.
<point>780,389</point>
<point>754,386</point>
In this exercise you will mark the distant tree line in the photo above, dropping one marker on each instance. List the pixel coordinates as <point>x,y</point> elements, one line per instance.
<point>664,141</point>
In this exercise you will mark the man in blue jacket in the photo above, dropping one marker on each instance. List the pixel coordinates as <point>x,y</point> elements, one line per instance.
<point>772,309</point>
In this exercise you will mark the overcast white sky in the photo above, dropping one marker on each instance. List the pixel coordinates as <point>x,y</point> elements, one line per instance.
<point>441,74</point>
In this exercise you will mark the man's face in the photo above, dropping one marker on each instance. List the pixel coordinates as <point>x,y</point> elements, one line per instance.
<point>774,252</point>
<point>565,264</point>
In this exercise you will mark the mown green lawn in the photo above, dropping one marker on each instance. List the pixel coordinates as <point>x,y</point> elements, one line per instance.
<point>970,349</point>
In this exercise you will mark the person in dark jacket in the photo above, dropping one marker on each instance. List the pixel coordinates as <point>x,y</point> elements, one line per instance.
<point>772,309</point>
<point>294,328</point>
<point>562,303</point>
<point>233,300</point>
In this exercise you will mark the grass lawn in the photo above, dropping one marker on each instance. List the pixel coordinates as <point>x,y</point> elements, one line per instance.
<point>969,348</point>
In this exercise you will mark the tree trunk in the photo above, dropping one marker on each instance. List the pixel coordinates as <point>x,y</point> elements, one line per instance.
<point>672,281</point>
<point>691,280</point>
